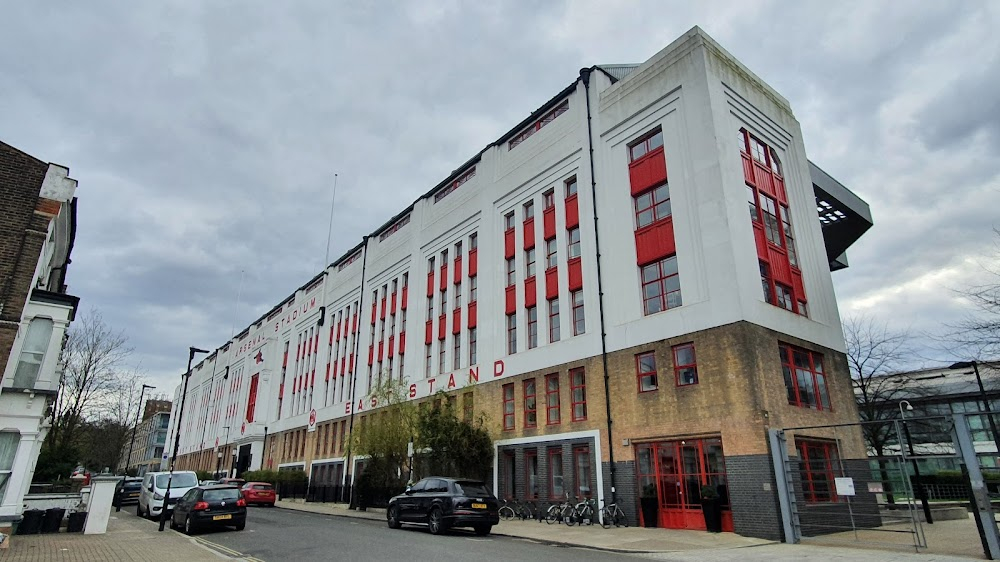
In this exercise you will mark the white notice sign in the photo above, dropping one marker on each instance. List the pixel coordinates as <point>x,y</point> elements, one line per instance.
<point>845,486</point>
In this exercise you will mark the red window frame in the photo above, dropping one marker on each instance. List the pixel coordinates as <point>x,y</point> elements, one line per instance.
<point>578,394</point>
<point>645,372</point>
<point>652,206</point>
<point>767,283</point>
<point>252,399</point>
<point>647,143</point>
<point>511,272</point>
<point>549,199</point>
<point>579,314</point>
<point>581,464</point>
<point>554,332</point>
<point>573,243</point>
<point>529,211</point>
<point>508,221</point>
<point>530,404</point>
<point>511,334</point>
<point>531,474</point>
<point>571,187</point>
<point>805,378</point>
<point>551,253</point>
<point>685,365</point>
<point>508,407</point>
<point>660,286</point>
<point>819,468</point>
<point>552,413</point>
<point>557,480</point>
<point>529,263</point>
<point>532,317</point>
<point>772,223</point>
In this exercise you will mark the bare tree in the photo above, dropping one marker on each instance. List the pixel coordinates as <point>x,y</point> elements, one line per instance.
<point>979,332</point>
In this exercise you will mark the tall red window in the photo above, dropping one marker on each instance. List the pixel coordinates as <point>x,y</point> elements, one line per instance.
<point>252,399</point>
<point>639,148</point>
<point>531,474</point>
<point>661,286</point>
<point>532,313</point>
<point>685,365</point>
<point>508,406</point>
<point>529,263</point>
<point>511,272</point>
<point>652,206</point>
<point>556,489</point>
<point>511,334</point>
<point>581,470</point>
<point>530,405</point>
<point>645,371</point>
<point>578,393</point>
<point>579,318</point>
<point>554,320</point>
<point>820,465</point>
<point>805,380</point>
<point>552,399</point>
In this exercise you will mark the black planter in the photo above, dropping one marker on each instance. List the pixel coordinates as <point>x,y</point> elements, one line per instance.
<point>713,515</point>
<point>650,511</point>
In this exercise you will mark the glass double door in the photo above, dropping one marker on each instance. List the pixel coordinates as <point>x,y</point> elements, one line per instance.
<point>674,472</point>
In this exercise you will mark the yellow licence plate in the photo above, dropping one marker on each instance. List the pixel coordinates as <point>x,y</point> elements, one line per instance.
<point>479,506</point>
<point>221,517</point>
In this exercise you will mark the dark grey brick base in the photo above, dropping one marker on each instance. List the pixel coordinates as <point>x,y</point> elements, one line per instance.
<point>752,494</point>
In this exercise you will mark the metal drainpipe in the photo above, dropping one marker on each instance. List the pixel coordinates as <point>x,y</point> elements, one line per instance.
<point>354,375</point>
<point>585,76</point>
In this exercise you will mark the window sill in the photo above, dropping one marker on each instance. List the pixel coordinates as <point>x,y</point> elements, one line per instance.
<point>653,225</point>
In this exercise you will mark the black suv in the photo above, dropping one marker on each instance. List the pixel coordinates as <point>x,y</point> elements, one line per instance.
<point>127,491</point>
<point>443,503</point>
<point>210,506</point>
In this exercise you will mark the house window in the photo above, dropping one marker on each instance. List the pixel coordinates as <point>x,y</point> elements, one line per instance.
<point>578,393</point>
<point>752,202</point>
<point>441,349</point>
<point>571,187</point>
<point>472,346</point>
<point>765,283</point>
<point>645,366</point>
<point>793,257</point>
<point>652,206</point>
<point>641,147</point>
<point>685,366</point>
<point>771,228</point>
<point>537,125</point>
<point>554,320</point>
<point>758,150</point>
<point>529,210</point>
<point>551,253</point>
<point>581,466</point>
<point>473,289</point>
<point>529,263</point>
<point>458,249</point>
<point>556,490</point>
<point>430,308</point>
<point>511,334</point>
<point>579,320</point>
<point>531,474</point>
<point>427,361</point>
<point>457,351</point>
<point>454,185</point>
<point>784,296</point>
<point>508,221</point>
<point>820,462</point>
<point>661,286</point>
<point>458,294</point>
<point>511,272</point>
<point>552,399</point>
<point>508,406</point>
<point>805,379</point>
<point>530,405</point>
<point>9,441</point>
<point>573,242</point>
<point>29,363</point>
<point>532,327</point>
<point>549,199</point>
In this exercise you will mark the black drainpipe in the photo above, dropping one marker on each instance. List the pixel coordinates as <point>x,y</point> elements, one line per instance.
<point>585,76</point>
<point>354,375</point>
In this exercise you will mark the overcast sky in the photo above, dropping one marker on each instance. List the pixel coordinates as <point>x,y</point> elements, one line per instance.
<point>205,135</point>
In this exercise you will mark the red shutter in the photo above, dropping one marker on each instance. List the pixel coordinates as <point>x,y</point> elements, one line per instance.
<point>457,276</point>
<point>456,321</point>
<point>402,303</point>
<point>371,354</point>
<point>572,212</point>
<point>529,234</point>
<point>402,342</point>
<point>508,244</point>
<point>392,306</point>
<point>472,314</point>
<point>647,171</point>
<point>444,277</point>
<point>382,315</point>
<point>575,274</point>
<point>748,170</point>
<point>428,331</point>
<point>549,223</point>
<point>350,363</point>
<point>392,340</point>
<point>355,322</point>
<point>655,242</point>
<point>511,302</point>
<point>381,348</point>
<point>551,283</point>
<point>780,270</point>
<point>374,312</point>
<point>430,284</point>
<point>473,262</point>
<point>760,240</point>
<point>530,293</point>
<point>441,326</point>
<point>252,399</point>
<point>800,291</point>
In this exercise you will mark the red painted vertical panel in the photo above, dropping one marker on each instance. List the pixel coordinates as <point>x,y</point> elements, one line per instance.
<point>343,365</point>
<point>442,320</point>
<point>327,372</point>
<point>748,171</point>
<point>392,347</point>
<point>508,244</point>
<point>551,283</point>
<point>381,348</point>
<point>350,363</point>
<point>430,284</point>
<point>572,212</point>
<point>511,299</point>
<point>456,321</point>
<point>457,276</point>
<point>428,331</point>
<point>529,234</point>
<point>402,303</point>
<point>382,314</point>
<point>763,178</point>
<point>444,277</point>
<point>374,312</point>
<point>530,292</point>
<point>473,262</point>
<point>780,270</point>
<point>779,189</point>
<point>549,223</point>
<point>281,391</point>
<point>334,331</point>
<point>371,354</point>
<point>800,291</point>
<point>472,314</point>
<point>402,342</point>
<point>392,305</point>
<point>575,274</point>
<point>654,242</point>
<point>355,323</point>
<point>647,171</point>
<point>760,240</point>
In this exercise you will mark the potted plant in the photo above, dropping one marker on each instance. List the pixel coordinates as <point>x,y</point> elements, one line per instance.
<point>711,507</point>
<point>650,505</point>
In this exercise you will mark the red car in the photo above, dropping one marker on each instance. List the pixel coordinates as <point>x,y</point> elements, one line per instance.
<point>260,493</point>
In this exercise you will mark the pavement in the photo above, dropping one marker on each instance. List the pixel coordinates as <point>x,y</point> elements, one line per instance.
<point>131,538</point>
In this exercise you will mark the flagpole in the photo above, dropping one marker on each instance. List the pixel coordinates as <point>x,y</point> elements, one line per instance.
<point>329,228</point>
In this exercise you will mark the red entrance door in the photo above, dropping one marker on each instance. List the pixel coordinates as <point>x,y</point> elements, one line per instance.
<point>678,470</point>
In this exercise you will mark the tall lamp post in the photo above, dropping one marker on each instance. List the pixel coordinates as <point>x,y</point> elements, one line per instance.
<point>921,493</point>
<point>177,435</point>
<point>218,457</point>
<point>982,395</point>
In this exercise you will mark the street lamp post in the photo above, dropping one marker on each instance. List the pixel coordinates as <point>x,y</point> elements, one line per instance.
<point>982,395</point>
<point>921,493</point>
<point>218,461</point>
<point>128,459</point>
<point>177,435</point>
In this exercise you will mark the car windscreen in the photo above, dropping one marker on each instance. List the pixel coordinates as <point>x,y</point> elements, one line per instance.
<point>472,489</point>
<point>223,494</point>
<point>182,480</point>
<point>262,487</point>
<point>132,486</point>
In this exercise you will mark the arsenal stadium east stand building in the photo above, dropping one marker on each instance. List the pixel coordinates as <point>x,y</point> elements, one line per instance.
<point>633,284</point>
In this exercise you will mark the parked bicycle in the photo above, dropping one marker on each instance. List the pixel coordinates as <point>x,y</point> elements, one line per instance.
<point>515,509</point>
<point>559,511</point>
<point>611,514</point>
<point>582,513</point>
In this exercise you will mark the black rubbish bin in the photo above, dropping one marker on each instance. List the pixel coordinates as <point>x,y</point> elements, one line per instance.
<point>31,522</point>
<point>77,519</point>
<point>53,518</point>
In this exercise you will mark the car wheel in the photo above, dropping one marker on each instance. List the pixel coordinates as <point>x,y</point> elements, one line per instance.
<point>241,526</point>
<point>435,523</point>
<point>138,510</point>
<point>188,526</point>
<point>483,530</point>
<point>392,517</point>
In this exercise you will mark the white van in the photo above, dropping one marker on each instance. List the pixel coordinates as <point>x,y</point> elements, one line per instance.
<point>154,487</point>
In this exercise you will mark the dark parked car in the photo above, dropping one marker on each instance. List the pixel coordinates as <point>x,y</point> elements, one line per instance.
<point>127,491</point>
<point>210,506</point>
<point>442,503</point>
